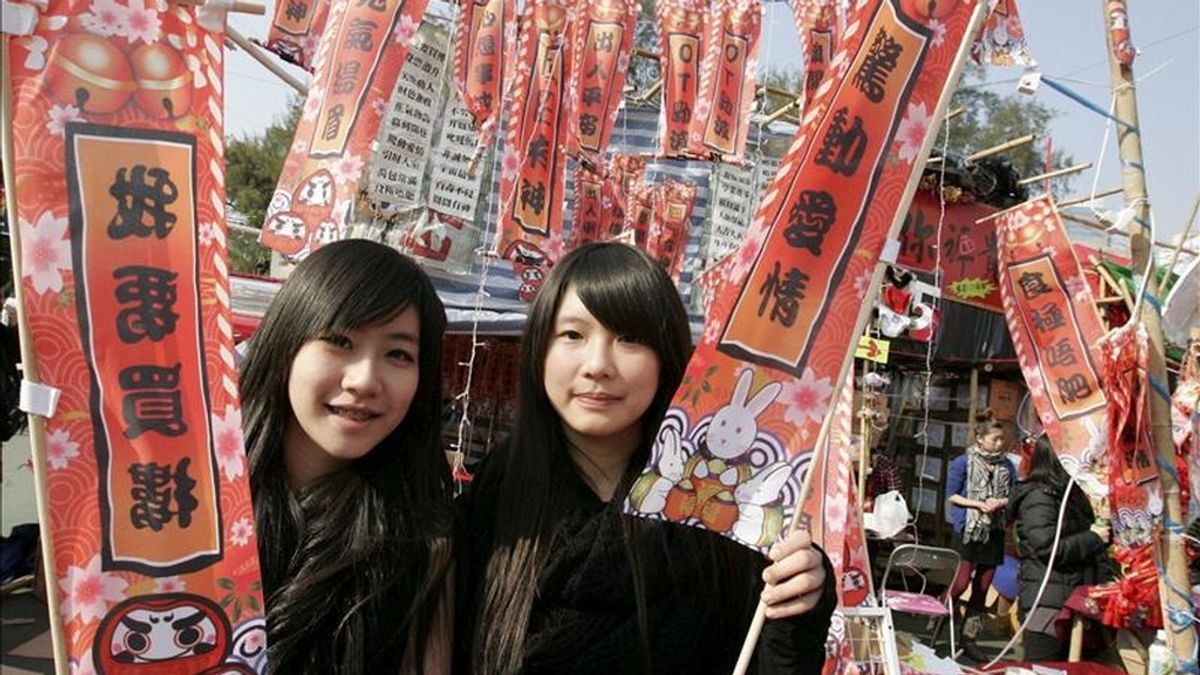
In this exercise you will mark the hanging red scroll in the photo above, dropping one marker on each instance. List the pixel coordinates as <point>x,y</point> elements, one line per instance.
<point>721,118</point>
<point>1054,326</point>
<point>589,207</point>
<point>364,48</point>
<point>486,33</point>
<point>625,173</point>
<point>759,385</point>
<point>296,30</point>
<point>672,221</point>
<point>117,137</point>
<point>968,257</point>
<point>815,26</point>
<point>1002,42</point>
<point>681,31</point>
<point>534,161</point>
<point>639,214</point>
<point>602,44</point>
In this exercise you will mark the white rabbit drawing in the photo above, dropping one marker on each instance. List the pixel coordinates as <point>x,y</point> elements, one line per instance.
<point>731,433</point>
<point>670,472</point>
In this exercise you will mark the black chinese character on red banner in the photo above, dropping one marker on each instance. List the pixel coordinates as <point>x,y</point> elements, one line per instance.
<point>604,42</point>
<point>374,5</point>
<point>678,140</point>
<point>156,489</point>
<point>361,35</point>
<point>843,146</point>
<point>487,45</point>
<point>783,293</point>
<point>1047,319</point>
<point>1061,353</point>
<point>346,77</point>
<point>587,124</point>
<point>916,234</point>
<point>1073,388</point>
<point>484,72</point>
<point>1032,284</point>
<point>296,11</point>
<point>151,291</point>
<point>681,113</point>
<point>533,196</point>
<point>810,219</point>
<point>141,206</point>
<point>152,400</point>
<point>882,58</point>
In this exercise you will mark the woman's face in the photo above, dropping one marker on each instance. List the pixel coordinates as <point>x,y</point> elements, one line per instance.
<point>348,391</point>
<point>992,441</point>
<point>599,382</point>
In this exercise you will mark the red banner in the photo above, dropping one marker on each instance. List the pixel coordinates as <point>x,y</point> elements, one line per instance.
<point>1002,42</point>
<point>1054,326</point>
<point>296,30</point>
<point>117,139</point>
<point>639,214</point>
<point>969,270</point>
<point>815,26</point>
<point>681,31</point>
<point>625,174</point>
<point>671,224</point>
<point>603,42</point>
<point>589,207</point>
<point>760,383</point>
<point>486,33</point>
<point>364,49</point>
<point>534,161</point>
<point>721,118</point>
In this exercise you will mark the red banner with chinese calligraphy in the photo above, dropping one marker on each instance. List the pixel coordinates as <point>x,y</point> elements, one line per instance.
<point>589,207</point>
<point>721,118</point>
<point>681,34</point>
<point>759,386</point>
<point>534,161</point>
<point>671,224</point>
<point>815,26</point>
<point>486,34</point>
<point>1054,326</point>
<point>968,255</point>
<point>1002,42</point>
<point>296,30</point>
<point>363,48</point>
<point>602,43</point>
<point>639,214</point>
<point>117,136</point>
<point>625,174</point>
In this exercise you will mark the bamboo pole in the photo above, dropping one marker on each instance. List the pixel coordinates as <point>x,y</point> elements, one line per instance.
<point>864,313</point>
<point>265,61</point>
<point>1187,231</point>
<point>1003,147</point>
<point>37,424</point>
<point>1087,198</point>
<point>1065,171</point>
<point>1181,638</point>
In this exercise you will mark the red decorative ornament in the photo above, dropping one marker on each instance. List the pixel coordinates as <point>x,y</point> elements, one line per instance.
<point>89,73</point>
<point>163,79</point>
<point>927,9</point>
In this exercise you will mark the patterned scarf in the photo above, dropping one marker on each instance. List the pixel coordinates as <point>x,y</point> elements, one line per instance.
<point>987,478</point>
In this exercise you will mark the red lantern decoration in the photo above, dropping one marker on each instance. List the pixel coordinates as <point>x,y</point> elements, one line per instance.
<point>89,73</point>
<point>163,79</point>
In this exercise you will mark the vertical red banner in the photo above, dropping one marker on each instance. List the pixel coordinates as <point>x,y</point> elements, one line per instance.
<point>534,161</point>
<point>681,32</point>
<point>117,136</point>
<point>1054,326</point>
<point>759,386</point>
<point>484,43</point>
<point>815,26</point>
<point>362,52</point>
<point>603,42</point>
<point>589,207</point>
<point>625,173</point>
<point>721,118</point>
<point>296,30</point>
<point>671,224</point>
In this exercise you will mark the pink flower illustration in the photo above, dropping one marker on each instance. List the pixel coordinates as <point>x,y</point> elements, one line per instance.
<point>105,18</point>
<point>807,398</point>
<point>912,132</point>
<point>510,164</point>
<point>379,106</point>
<point>228,442</point>
<point>207,233</point>
<point>406,30</point>
<point>861,283</point>
<point>939,32</point>
<point>312,104</point>
<point>169,585</point>
<point>743,258</point>
<point>59,116</point>
<point>60,449</point>
<point>88,592</point>
<point>45,252</point>
<point>348,169</point>
<point>141,22</point>
<point>241,531</point>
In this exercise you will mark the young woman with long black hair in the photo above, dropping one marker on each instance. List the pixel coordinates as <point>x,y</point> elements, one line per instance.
<point>341,393</point>
<point>558,579</point>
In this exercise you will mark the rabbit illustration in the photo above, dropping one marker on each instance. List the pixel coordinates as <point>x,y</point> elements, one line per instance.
<point>649,494</point>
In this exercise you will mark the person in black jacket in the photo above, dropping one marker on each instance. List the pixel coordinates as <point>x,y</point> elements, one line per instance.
<point>1081,559</point>
<point>556,578</point>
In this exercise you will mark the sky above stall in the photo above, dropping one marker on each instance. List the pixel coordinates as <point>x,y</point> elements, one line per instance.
<point>1066,37</point>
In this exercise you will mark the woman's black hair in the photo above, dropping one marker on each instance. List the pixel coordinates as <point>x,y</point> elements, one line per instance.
<point>354,565</point>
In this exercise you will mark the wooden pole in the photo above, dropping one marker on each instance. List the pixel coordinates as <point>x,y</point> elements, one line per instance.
<point>1072,201</point>
<point>1055,173</point>
<point>1173,585</point>
<point>265,61</point>
<point>864,314</point>
<point>37,424</point>
<point>1187,231</point>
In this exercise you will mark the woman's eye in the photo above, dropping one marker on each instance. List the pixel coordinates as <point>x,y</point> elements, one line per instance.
<point>337,340</point>
<point>571,335</point>
<point>402,356</point>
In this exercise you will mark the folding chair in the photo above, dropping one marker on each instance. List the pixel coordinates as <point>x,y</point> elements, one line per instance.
<point>929,564</point>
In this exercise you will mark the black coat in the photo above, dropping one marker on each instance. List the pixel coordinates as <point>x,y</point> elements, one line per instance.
<point>1082,558</point>
<point>699,596</point>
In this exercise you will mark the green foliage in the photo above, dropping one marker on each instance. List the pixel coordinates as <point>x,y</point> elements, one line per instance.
<point>252,166</point>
